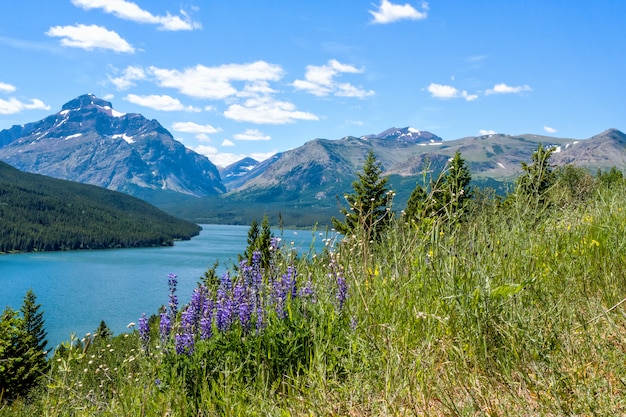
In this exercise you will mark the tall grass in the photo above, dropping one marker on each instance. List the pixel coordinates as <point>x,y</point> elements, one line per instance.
<point>512,312</point>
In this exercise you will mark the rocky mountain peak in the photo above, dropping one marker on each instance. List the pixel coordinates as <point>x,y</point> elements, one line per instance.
<point>86,100</point>
<point>406,134</point>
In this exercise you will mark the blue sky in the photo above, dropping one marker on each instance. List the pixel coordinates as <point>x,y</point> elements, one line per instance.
<point>235,78</point>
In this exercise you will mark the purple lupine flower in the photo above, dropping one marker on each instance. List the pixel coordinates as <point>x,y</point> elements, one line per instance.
<point>184,343</point>
<point>206,327</point>
<point>172,281</point>
<point>224,309</point>
<point>353,323</point>
<point>307,292</point>
<point>274,244</point>
<point>196,306</point>
<point>241,303</point>
<point>256,259</point>
<point>342,291</point>
<point>165,326</point>
<point>188,318</point>
<point>260,319</point>
<point>226,282</point>
<point>290,281</point>
<point>279,296</point>
<point>144,332</point>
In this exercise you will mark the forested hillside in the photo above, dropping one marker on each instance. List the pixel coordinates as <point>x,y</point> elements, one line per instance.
<point>39,213</point>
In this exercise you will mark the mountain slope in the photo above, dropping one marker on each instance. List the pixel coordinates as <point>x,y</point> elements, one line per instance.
<point>89,142</point>
<point>601,151</point>
<point>41,213</point>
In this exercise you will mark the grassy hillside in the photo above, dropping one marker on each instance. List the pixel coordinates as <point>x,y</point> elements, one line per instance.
<point>39,213</point>
<point>514,311</point>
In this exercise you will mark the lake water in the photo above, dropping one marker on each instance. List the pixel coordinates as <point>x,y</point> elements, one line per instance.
<point>78,289</point>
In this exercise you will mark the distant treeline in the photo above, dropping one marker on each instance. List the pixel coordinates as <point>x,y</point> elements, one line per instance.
<point>38,213</point>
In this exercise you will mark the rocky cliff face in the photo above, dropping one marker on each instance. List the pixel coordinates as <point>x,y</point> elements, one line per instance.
<point>89,142</point>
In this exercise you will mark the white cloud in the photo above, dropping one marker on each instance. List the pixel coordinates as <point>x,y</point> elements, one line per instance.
<point>216,82</point>
<point>157,102</point>
<point>388,12</point>
<point>227,142</point>
<point>549,129</point>
<point>130,74</point>
<point>507,89</point>
<point>265,110</point>
<point>448,91</point>
<point>319,80</point>
<point>251,134</point>
<point>191,127</point>
<point>130,11</point>
<point>7,88</point>
<point>487,132</point>
<point>13,105</point>
<point>90,37</point>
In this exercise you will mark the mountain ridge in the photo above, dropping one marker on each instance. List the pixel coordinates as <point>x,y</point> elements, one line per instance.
<point>89,142</point>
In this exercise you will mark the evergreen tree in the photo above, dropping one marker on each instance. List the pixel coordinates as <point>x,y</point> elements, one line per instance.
<point>536,178</point>
<point>368,209</point>
<point>259,239</point>
<point>103,331</point>
<point>449,194</point>
<point>416,205</point>
<point>456,191</point>
<point>21,365</point>
<point>33,321</point>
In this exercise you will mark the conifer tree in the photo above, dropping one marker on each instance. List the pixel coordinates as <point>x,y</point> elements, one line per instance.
<point>456,189</point>
<point>536,178</point>
<point>449,194</point>
<point>259,239</point>
<point>416,205</point>
<point>368,209</point>
<point>33,321</point>
<point>21,363</point>
<point>103,331</point>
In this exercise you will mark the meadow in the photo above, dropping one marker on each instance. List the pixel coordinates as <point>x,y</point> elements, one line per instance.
<point>517,309</point>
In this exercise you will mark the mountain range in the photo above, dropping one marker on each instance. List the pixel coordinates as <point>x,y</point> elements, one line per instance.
<point>89,142</point>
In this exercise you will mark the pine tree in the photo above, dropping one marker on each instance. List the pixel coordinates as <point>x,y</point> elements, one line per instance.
<point>103,332</point>
<point>416,205</point>
<point>33,321</point>
<point>368,209</point>
<point>259,239</point>
<point>449,194</point>
<point>537,178</point>
<point>21,364</point>
<point>457,191</point>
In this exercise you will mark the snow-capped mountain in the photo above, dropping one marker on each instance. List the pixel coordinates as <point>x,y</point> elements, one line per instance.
<point>90,142</point>
<point>407,135</point>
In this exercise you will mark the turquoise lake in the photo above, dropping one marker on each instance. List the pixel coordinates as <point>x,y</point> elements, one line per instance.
<point>78,289</point>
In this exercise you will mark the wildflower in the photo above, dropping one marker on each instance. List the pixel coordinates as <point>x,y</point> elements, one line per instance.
<point>307,290</point>
<point>206,327</point>
<point>223,307</point>
<point>184,344</point>
<point>241,304</point>
<point>342,291</point>
<point>165,326</point>
<point>172,281</point>
<point>144,331</point>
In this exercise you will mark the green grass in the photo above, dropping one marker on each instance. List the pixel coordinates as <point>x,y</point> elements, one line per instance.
<point>514,312</point>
